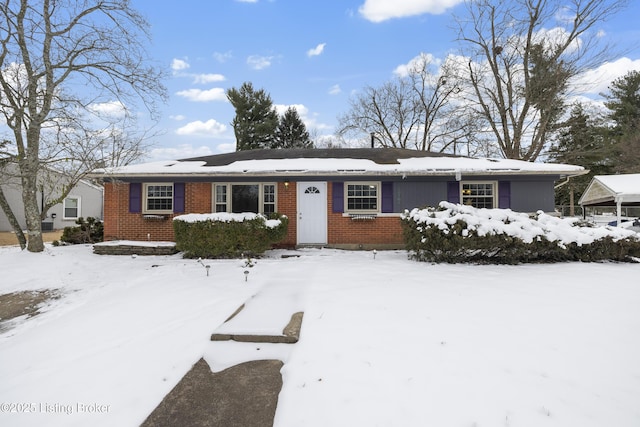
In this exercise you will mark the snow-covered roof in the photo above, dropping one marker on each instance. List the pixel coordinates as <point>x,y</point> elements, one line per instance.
<point>610,189</point>
<point>355,161</point>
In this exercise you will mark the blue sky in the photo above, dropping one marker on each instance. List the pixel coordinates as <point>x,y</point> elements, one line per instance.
<point>310,54</point>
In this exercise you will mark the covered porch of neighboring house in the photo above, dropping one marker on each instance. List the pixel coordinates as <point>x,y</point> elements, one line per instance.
<point>621,192</point>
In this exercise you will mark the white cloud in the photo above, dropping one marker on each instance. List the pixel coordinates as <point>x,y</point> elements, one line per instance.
<point>182,151</point>
<point>208,78</point>
<point>178,117</point>
<point>222,57</point>
<point>316,50</point>
<point>228,147</point>
<point>596,81</point>
<point>382,10</point>
<point>416,64</point>
<point>112,108</point>
<point>334,90</point>
<point>179,64</point>
<point>258,62</point>
<point>198,95</point>
<point>309,119</point>
<point>247,1</point>
<point>210,128</point>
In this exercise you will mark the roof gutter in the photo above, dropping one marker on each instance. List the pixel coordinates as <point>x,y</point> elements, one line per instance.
<point>346,173</point>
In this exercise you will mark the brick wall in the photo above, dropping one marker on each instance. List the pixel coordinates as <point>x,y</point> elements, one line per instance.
<point>288,205</point>
<point>345,231</point>
<point>120,224</point>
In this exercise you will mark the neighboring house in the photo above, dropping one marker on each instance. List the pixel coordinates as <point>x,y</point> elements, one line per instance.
<point>348,198</point>
<point>614,191</point>
<point>84,200</point>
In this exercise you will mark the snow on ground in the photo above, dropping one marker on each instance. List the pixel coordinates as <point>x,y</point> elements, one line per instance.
<point>384,341</point>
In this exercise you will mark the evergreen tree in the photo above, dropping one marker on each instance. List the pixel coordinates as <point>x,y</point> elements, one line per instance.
<point>256,120</point>
<point>291,131</point>
<point>581,141</point>
<point>623,100</point>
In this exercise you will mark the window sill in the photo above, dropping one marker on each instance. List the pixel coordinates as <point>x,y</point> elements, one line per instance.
<point>363,217</point>
<point>154,217</point>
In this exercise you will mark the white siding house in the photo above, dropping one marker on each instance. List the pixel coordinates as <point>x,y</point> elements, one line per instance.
<point>84,200</point>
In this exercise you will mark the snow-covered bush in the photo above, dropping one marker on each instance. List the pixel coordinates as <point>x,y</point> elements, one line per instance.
<point>225,235</point>
<point>458,233</point>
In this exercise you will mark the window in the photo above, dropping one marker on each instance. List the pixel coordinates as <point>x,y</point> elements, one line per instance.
<point>245,197</point>
<point>362,197</point>
<point>220,198</point>
<point>158,198</point>
<point>269,198</point>
<point>71,208</point>
<point>312,190</point>
<point>479,194</point>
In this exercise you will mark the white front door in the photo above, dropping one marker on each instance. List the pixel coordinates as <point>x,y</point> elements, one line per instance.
<point>312,213</point>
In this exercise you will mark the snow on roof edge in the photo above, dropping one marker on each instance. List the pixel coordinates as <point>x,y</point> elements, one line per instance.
<point>427,166</point>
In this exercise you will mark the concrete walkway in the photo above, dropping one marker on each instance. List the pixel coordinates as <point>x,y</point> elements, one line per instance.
<point>244,395</point>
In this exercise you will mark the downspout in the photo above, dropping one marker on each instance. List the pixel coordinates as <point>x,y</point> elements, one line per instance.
<point>571,207</point>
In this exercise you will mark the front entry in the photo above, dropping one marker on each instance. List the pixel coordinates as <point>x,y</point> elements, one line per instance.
<point>312,213</point>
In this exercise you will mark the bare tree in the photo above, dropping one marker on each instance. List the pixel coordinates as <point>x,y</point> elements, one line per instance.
<point>417,110</point>
<point>522,55</point>
<point>58,59</point>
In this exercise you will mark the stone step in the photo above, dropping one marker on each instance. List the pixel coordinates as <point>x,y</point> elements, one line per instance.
<point>290,332</point>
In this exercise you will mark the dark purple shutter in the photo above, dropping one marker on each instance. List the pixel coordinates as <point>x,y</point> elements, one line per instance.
<point>135,197</point>
<point>504,194</point>
<point>178,197</point>
<point>387,197</point>
<point>337,197</point>
<point>453,192</point>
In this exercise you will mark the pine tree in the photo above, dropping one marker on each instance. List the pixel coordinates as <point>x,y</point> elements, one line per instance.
<point>581,141</point>
<point>291,131</point>
<point>623,100</point>
<point>256,120</point>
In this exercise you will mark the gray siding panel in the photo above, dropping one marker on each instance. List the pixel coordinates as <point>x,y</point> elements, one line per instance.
<point>526,195</point>
<point>409,195</point>
<point>532,196</point>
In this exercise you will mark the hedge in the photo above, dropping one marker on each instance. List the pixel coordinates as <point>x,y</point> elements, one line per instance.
<point>454,233</point>
<point>227,235</point>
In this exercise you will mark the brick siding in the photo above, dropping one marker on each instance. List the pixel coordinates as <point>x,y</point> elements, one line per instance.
<point>120,224</point>
<point>345,231</point>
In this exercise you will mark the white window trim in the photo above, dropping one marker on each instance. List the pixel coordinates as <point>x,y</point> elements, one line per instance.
<point>362,211</point>
<point>494,184</point>
<point>144,198</point>
<point>228,185</point>
<point>79,208</point>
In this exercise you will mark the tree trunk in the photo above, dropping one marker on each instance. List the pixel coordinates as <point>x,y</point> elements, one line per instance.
<point>29,176</point>
<point>4,204</point>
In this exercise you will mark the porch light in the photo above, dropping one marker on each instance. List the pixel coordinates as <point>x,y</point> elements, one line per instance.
<point>286,184</point>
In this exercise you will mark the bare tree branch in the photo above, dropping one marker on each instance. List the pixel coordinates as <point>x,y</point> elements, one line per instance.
<point>57,59</point>
<point>522,55</point>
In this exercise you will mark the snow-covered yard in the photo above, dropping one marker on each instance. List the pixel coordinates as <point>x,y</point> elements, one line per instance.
<point>384,342</point>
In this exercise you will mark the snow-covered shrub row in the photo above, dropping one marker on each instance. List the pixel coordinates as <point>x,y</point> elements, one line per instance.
<point>227,235</point>
<point>458,233</point>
